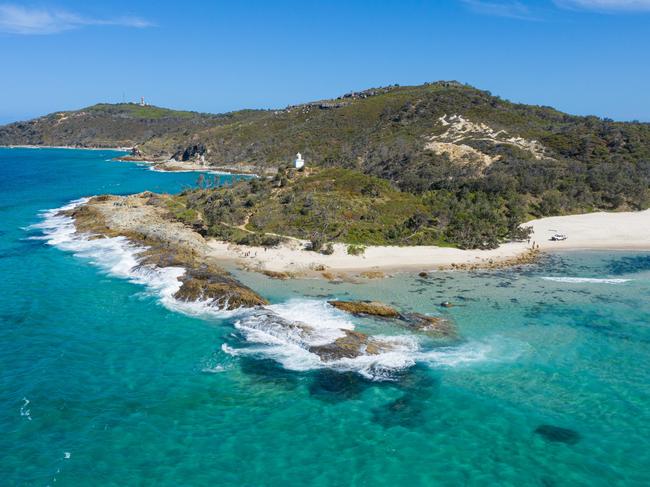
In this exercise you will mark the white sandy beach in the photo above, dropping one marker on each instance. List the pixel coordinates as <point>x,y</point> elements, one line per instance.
<point>604,231</point>
<point>172,165</point>
<point>188,166</point>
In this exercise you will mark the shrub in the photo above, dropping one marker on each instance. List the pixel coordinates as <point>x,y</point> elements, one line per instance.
<point>316,242</point>
<point>270,241</point>
<point>247,239</point>
<point>356,249</point>
<point>371,189</point>
<point>327,249</point>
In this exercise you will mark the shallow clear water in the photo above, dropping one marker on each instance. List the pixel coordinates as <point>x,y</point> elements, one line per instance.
<point>102,384</point>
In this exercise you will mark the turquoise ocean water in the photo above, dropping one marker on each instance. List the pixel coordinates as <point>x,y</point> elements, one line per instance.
<point>106,381</point>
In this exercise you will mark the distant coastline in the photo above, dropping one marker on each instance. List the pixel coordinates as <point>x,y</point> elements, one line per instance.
<point>117,149</point>
<point>161,166</point>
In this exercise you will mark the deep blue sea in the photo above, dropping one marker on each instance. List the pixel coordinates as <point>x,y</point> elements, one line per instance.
<point>106,381</point>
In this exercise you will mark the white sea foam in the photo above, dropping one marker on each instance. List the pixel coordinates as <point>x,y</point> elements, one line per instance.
<point>326,320</point>
<point>24,412</point>
<point>283,332</point>
<point>579,280</point>
<point>117,256</point>
<point>213,370</point>
<point>384,366</point>
<point>465,354</point>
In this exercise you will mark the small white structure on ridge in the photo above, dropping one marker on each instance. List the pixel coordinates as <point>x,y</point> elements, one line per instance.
<point>142,103</point>
<point>299,162</point>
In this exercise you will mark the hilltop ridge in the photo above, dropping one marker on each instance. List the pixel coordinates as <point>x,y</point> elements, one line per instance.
<point>468,148</point>
<point>379,130</point>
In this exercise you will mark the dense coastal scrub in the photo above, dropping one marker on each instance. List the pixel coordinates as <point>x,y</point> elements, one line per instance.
<point>343,205</point>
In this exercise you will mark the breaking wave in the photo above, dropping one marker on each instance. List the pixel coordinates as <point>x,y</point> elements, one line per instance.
<point>116,256</point>
<point>586,280</point>
<point>284,332</point>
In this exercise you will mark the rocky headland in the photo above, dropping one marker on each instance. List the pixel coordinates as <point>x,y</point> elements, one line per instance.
<point>144,219</point>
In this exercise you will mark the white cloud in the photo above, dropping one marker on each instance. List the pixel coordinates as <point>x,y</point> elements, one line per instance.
<point>606,5</point>
<point>15,19</point>
<point>509,9</point>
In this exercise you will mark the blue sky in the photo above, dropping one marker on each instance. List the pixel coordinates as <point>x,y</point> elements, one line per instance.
<point>581,56</point>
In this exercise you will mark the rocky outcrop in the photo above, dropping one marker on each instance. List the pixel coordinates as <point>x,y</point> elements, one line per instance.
<point>352,345</point>
<point>190,153</point>
<point>433,326</point>
<point>135,155</point>
<point>529,257</point>
<point>368,308</point>
<point>282,276</point>
<point>372,274</point>
<point>144,220</point>
<point>218,289</point>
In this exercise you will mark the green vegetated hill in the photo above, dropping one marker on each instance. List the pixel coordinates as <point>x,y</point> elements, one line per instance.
<point>344,205</point>
<point>106,125</point>
<point>476,164</point>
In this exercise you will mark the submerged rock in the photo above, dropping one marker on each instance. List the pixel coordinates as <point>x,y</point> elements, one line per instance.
<point>434,326</point>
<point>412,409</point>
<point>266,370</point>
<point>335,386</point>
<point>372,274</point>
<point>431,325</point>
<point>408,411</point>
<point>557,434</point>
<point>282,276</point>
<point>369,308</point>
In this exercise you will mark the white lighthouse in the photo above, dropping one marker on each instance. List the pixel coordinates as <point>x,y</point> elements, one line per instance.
<point>299,162</point>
